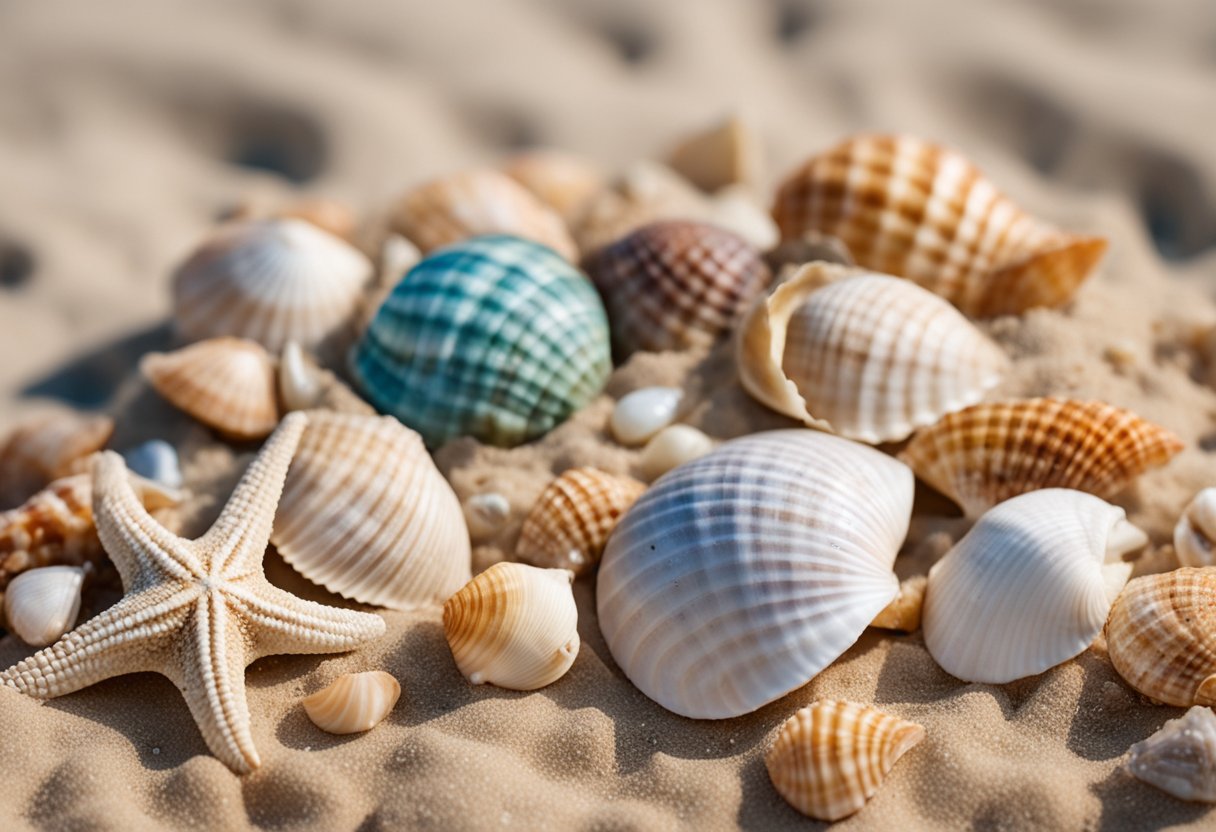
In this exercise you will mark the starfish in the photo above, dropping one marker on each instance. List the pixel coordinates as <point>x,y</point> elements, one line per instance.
<point>196,611</point>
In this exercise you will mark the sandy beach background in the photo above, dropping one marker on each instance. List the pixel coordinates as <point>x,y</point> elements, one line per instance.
<point>127,127</point>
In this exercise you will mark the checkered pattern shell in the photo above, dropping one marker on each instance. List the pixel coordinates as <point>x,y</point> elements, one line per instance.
<point>496,337</point>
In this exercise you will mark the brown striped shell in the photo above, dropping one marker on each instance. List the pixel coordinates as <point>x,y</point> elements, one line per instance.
<point>911,208</point>
<point>676,284</point>
<point>46,447</point>
<point>987,453</point>
<point>572,518</point>
<point>830,757</point>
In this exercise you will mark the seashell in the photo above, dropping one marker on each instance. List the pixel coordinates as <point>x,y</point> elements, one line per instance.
<point>728,153</point>
<point>907,207</point>
<point>643,413</point>
<point>987,453</point>
<point>870,357</point>
<point>572,518</point>
<point>676,284</point>
<point>1180,759</point>
<point>514,626</point>
<point>1195,534</point>
<point>47,447</point>
<point>155,460</point>
<point>486,514</point>
<point>1161,636</point>
<point>271,281</point>
<point>829,758</point>
<point>563,181</point>
<point>225,383</point>
<point>354,702</point>
<point>305,385</point>
<point>739,576</point>
<point>42,604</point>
<point>330,215</point>
<point>473,203</point>
<point>495,338</point>
<point>366,514</point>
<point>903,614</point>
<point>736,209</point>
<point>672,447</point>
<point>1028,587</point>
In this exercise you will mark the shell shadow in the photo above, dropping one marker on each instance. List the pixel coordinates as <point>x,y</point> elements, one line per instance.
<point>91,379</point>
<point>17,265</point>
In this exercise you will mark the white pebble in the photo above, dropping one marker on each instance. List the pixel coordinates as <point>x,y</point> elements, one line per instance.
<point>671,447</point>
<point>155,460</point>
<point>486,514</point>
<point>643,413</point>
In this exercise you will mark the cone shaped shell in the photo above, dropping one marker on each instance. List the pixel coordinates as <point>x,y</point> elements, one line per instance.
<point>515,626</point>
<point>1027,588</point>
<point>1195,534</point>
<point>987,453</point>
<point>271,281</point>
<point>870,356</point>
<point>830,757</point>
<point>41,604</point>
<point>225,383</point>
<point>676,284</point>
<point>366,514</point>
<point>911,208</point>
<point>1161,636</point>
<point>572,518</point>
<point>741,575</point>
<point>477,202</point>
<point>48,447</point>
<point>496,338</point>
<point>562,181</point>
<point>354,702</point>
<point>1180,759</point>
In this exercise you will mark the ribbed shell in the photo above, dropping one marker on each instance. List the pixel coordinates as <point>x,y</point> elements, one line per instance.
<point>1161,636</point>
<point>1028,587</point>
<point>41,604</point>
<point>990,452</point>
<point>271,281</point>
<point>366,514</point>
<point>46,447</point>
<point>1195,534</point>
<point>476,202</point>
<point>1180,759</point>
<point>911,208</point>
<point>514,626</point>
<point>741,575</point>
<point>496,338</point>
<point>354,702</point>
<point>571,519</point>
<point>830,757</point>
<point>226,383</point>
<point>676,284</point>
<point>871,357</point>
<point>563,181</point>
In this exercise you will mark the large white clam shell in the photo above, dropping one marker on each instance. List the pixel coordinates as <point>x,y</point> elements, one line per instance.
<point>1028,587</point>
<point>42,604</point>
<point>741,575</point>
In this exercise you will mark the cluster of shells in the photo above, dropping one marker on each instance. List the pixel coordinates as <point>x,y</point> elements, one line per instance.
<point>492,304</point>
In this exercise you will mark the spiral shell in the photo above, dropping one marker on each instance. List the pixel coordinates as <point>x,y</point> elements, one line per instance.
<point>42,604</point>
<point>1028,587</point>
<point>728,153</point>
<point>741,575</point>
<point>990,452</point>
<point>1161,636</point>
<point>572,518</point>
<point>225,383</point>
<point>563,181</point>
<point>473,203</point>
<point>911,208</point>
<point>47,447</point>
<point>870,357</point>
<point>496,338</point>
<point>271,281</point>
<point>366,514</point>
<point>514,626</point>
<point>354,702</point>
<point>1180,759</point>
<point>1195,534</point>
<point>829,758</point>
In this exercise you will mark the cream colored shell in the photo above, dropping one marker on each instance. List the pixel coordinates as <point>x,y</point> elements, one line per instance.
<point>671,447</point>
<point>46,447</point>
<point>354,702</point>
<point>41,604</point>
<point>727,153</point>
<point>1195,534</point>
<point>1180,759</point>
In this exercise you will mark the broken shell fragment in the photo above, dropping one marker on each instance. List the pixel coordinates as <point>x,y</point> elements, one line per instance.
<point>354,702</point>
<point>1180,759</point>
<point>728,153</point>
<point>1195,534</point>
<point>41,604</point>
<point>643,413</point>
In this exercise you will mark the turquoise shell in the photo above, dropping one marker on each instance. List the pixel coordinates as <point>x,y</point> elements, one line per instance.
<point>495,337</point>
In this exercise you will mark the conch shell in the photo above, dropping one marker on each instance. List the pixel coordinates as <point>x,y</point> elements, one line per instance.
<point>354,702</point>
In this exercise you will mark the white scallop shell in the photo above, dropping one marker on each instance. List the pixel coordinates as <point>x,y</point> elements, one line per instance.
<point>1195,534</point>
<point>1028,587</point>
<point>643,413</point>
<point>740,576</point>
<point>42,604</point>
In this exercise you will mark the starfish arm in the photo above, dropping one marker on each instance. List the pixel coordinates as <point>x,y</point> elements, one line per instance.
<point>283,623</point>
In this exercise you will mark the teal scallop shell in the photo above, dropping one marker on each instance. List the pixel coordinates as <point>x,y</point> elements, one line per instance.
<point>495,337</point>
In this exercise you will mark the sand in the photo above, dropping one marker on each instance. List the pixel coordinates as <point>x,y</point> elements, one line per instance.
<point>121,129</point>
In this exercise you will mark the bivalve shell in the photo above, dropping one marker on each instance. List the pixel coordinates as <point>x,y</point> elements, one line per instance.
<point>1195,534</point>
<point>1180,759</point>
<point>354,702</point>
<point>47,447</point>
<point>42,604</point>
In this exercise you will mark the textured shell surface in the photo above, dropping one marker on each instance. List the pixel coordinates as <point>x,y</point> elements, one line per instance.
<point>354,702</point>
<point>830,757</point>
<point>641,414</point>
<point>496,338</point>
<point>1195,534</point>
<point>572,518</point>
<point>366,514</point>
<point>1180,759</point>
<point>869,356</point>
<point>904,613</point>
<point>671,447</point>
<point>271,281</point>
<point>46,447</point>
<point>474,203</point>
<point>987,453</point>
<point>1028,587</point>
<point>42,604</point>
<point>738,577</point>
<point>676,284</point>
<point>562,180</point>
<point>514,626</point>
<point>1161,636</point>
<point>727,153</point>
<point>911,208</point>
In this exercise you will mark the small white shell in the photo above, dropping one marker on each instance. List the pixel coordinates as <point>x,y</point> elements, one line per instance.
<point>156,460</point>
<point>1195,534</point>
<point>1028,587</point>
<point>42,604</point>
<point>1180,759</point>
<point>486,514</point>
<point>305,385</point>
<point>672,447</point>
<point>354,702</point>
<point>643,413</point>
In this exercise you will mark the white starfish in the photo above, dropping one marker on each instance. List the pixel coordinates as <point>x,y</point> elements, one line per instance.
<point>197,611</point>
